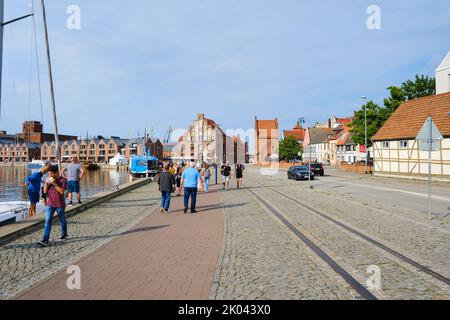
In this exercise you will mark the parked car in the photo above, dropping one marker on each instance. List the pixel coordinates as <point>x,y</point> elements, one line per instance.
<point>300,173</point>
<point>318,169</point>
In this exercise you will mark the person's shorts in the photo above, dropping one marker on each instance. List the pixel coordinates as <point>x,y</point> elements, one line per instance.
<point>33,197</point>
<point>225,178</point>
<point>73,186</point>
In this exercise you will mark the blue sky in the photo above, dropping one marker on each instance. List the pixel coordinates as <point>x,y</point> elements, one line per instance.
<point>159,63</point>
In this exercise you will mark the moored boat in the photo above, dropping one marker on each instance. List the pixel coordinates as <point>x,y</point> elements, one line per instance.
<point>15,211</point>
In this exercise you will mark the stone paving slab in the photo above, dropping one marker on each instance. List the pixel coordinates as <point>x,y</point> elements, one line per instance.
<point>399,280</point>
<point>12,231</point>
<point>164,257</point>
<point>262,261</point>
<point>22,263</point>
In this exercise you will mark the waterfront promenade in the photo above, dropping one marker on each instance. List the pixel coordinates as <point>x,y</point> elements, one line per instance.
<point>274,239</point>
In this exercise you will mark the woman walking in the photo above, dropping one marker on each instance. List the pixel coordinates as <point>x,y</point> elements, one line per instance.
<point>178,172</point>
<point>239,175</point>
<point>166,182</point>
<point>206,176</point>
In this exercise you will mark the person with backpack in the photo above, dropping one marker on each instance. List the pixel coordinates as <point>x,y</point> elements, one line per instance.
<point>227,175</point>
<point>222,172</point>
<point>206,176</point>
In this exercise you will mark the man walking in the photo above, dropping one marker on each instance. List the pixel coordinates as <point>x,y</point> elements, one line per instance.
<point>190,180</point>
<point>222,172</point>
<point>166,182</point>
<point>33,184</point>
<point>55,188</point>
<point>74,173</point>
<point>227,176</point>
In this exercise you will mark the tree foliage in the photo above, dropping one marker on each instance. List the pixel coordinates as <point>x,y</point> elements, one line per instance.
<point>289,149</point>
<point>422,86</point>
<point>375,119</point>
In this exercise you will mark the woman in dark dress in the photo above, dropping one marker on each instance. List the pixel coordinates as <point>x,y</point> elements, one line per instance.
<point>178,173</point>
<point>239,175</point>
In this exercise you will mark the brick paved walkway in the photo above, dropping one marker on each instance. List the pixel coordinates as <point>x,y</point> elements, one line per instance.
<point>164,257</point>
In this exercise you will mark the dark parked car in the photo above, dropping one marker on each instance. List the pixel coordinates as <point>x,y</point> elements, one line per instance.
<point>317,168</point>
<point>300,173</point>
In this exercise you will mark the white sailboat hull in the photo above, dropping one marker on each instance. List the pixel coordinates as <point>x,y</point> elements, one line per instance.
<point>15,211</point>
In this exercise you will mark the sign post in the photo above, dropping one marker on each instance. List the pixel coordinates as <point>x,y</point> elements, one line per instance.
<point>429,138</point>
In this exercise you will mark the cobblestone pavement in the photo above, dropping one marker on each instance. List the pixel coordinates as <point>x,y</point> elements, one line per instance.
<point>399,280</point>
<point>22,264</point>
<point>263,261</point>
<point>405,230</point>
<point>261,258</point>
<point>165,256</point>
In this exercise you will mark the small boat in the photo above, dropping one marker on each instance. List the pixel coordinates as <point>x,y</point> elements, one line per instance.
<point>140,166</point>
<point>35,164</point>
<point>93,166</point>
<point>15,211</point>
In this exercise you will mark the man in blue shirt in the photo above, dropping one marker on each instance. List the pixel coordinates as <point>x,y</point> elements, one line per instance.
<point>190,179</point>
<point>33,183</point>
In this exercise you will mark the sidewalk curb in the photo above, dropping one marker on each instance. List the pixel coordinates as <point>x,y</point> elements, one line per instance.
<point>100,198</point>
<point>218,273</point>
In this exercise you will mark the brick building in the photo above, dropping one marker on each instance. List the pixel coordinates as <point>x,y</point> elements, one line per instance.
<point>266,140</point>
<point>205,141</point>
<point>32,132</point>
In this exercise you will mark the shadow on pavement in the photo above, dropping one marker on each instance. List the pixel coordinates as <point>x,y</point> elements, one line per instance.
<point>78,239</point>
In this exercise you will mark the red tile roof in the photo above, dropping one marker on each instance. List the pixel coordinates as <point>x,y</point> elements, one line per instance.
<point>298,133</point>
<point>409,118</point>
<point>267,124</point>
<point>345,121</point>
<point>271,127</point>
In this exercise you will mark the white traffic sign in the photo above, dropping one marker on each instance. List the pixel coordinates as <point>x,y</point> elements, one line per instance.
<point>429,134</point>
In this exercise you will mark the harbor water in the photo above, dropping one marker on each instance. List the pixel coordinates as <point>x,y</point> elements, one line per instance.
<point>12,182</point>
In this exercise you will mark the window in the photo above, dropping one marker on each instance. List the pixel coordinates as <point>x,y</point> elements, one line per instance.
<point>403,144</point>
<point>386,144</point>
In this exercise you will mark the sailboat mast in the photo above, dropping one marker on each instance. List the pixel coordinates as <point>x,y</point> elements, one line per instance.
<point>2,8</point>
<point>52,91</point>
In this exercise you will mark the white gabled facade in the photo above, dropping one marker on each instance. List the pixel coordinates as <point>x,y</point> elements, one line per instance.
<point>443,76</point>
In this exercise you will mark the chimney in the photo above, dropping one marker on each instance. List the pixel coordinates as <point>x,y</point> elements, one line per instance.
<point>443,76</point>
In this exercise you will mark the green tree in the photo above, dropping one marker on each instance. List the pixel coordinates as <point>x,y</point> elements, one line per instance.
<point>289,149</point>
<point>394,101</point>
<point>375,119</point>
<point>423,86</point>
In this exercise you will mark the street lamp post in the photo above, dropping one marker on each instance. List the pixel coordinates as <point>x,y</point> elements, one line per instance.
<point>364,99</point>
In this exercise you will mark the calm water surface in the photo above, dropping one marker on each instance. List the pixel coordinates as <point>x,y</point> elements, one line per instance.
<point>12,181</point>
